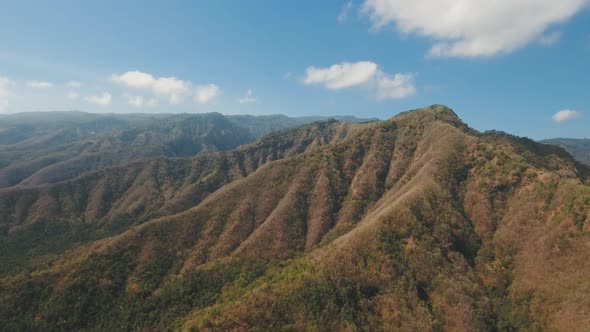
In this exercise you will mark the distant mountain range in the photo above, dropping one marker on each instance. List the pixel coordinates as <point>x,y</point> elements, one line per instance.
<point>38,148</point>
<point>415,223</point>
<point>579,148</point>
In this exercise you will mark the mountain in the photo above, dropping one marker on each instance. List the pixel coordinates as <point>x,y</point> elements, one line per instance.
<point>579,148</point>
<point>41,148</point>
<point>263,124</point>
<point>37,223</point>
<point>414,223</point>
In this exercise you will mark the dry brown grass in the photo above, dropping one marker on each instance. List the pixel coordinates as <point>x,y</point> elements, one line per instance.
<point>416,223</point>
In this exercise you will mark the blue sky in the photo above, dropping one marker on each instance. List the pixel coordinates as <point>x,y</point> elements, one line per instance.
<point>506,65</point>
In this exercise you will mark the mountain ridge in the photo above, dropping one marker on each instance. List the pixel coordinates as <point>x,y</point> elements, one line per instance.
<point>416,222</point>
<point>580,148</point>
<point>50,147</point>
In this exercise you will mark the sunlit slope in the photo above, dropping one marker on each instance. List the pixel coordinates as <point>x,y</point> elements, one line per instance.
<point>415,223</point>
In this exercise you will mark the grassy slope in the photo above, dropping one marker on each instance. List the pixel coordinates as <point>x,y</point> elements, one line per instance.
<point>417,223</point>
<point>39,148</point>
<point>38,223</point>
<point>177,135</point>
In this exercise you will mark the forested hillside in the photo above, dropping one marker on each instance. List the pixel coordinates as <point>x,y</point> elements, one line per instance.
<point>39,148</point>
<point>416,223</point>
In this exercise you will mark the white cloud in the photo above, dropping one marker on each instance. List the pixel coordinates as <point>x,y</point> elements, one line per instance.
<point>468,28</point>
<point>566,115</point>
<point>135,79</point>
<point>397,87</point>
<point>5,87</point>
<point>74,84</point>
<point>365,74</point>
<point>248,98</point>
<point>73,95</point>
<point>104,100</point>
<point>550,39</point>
<point>206,93</point>
<point>40,84</point>
<point>343,15</point>
<point>169,87</point>
<point>343,75</point>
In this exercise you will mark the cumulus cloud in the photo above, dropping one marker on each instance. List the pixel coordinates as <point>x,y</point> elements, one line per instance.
<point>566,115</point>
<point>5,87</point>
<point>104,100</point>
<point>206,93</point>
<point>135,79</point>
<point>40,84</point>
<point>467,28</point>
<point>73,95</point>
<point>397,87</point>
<point>169,87</point>
<point>248,98</point>
<point>343,75</point>
<point>172,88</point>
<point>74,84</point>
<point>365,74</point>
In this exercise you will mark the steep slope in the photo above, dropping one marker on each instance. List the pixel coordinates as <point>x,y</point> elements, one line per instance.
<point>179,135</point>
<point>41,148</point>
<point>488,235</point>
<point>579,148</point>
<point>416,223</point>
<point>30,141</point>
<point>37,223</point>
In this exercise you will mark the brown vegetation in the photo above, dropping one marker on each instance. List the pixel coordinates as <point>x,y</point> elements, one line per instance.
<point>415,223</point>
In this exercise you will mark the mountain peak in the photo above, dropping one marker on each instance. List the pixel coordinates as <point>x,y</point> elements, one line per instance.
<point>431,113</point>
<point>432,110</point>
